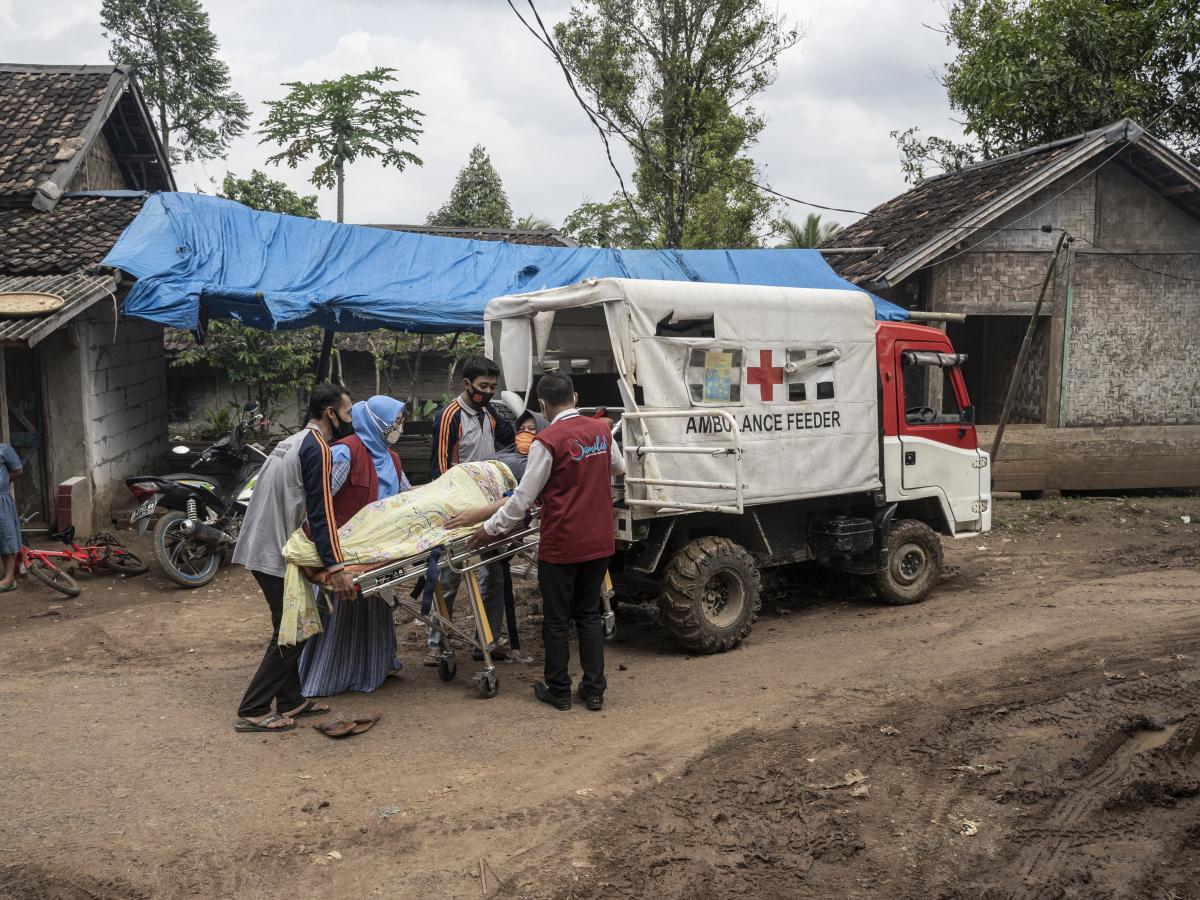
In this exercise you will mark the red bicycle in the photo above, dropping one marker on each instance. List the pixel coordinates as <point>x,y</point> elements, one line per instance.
<point>100,551</point>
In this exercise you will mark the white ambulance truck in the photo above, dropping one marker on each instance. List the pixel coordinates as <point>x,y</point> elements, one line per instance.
<point>762,427</point>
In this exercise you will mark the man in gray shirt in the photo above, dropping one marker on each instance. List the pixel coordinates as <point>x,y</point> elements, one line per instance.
<point>293,485</point>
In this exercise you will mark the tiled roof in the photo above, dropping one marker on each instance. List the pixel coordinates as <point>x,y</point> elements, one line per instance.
<point>905,223</point>
<point>547,237</point>
<point>42,117</point>
<point>76,234</point>
<point>78,291</point>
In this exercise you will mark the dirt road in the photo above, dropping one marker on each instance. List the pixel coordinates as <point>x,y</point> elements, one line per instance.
<point>1030,731</point>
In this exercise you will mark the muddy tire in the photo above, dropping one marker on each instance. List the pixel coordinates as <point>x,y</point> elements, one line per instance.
<point>914,563</point>
<point>711,595</point>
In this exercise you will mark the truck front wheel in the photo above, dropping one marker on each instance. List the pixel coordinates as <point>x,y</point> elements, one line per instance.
<point>914,563</point>
<point>711,595</point>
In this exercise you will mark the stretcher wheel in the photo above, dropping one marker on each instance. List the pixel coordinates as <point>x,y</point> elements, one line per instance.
<point>447,669</point>
<point>488,684</point>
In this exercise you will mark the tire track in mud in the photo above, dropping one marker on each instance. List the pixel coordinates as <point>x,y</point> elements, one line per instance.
<point>1067,739</point>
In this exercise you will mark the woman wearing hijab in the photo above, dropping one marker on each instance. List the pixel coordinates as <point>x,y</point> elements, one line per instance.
<point>356,650</point>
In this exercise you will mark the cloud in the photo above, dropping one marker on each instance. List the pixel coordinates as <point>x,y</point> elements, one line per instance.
<point>863,69</point>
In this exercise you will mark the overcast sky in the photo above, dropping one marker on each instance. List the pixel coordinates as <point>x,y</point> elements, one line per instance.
<point>865,68</point>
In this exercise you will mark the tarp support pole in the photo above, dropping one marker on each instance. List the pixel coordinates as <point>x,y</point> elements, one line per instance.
<point>323,359</point>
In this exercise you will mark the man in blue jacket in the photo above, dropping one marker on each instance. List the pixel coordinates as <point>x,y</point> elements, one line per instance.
<point>293,485</point>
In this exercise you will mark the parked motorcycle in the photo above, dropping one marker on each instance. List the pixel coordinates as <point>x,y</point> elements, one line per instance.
<point>201,523</point>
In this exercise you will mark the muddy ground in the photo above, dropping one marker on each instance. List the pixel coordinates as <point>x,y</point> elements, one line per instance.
<point>1032,730</point>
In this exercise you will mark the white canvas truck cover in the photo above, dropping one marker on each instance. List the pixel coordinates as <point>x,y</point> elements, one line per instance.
<point>794,369</point>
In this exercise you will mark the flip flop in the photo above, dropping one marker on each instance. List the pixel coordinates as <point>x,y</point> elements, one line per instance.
<point>339,728</point>
<point>343,728</point>
<point>308,708</point>
<point>245,726</point>
<point>365,724</point>
<point>11,586</point>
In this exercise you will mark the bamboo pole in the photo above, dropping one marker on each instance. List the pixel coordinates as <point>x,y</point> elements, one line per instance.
<point>1023,355</point>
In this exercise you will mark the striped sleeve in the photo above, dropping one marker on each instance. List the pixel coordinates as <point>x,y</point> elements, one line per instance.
<point>445,439</point>
<point>316,468</point>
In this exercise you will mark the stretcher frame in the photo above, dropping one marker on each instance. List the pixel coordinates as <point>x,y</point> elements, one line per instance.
<point>453,556</point>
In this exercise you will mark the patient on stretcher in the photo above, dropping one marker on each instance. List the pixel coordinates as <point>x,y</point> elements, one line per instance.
<point>389,529</point>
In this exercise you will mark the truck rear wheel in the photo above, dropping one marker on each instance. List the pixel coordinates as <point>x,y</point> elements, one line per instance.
<point>914,563</point>
<point>711,595</point>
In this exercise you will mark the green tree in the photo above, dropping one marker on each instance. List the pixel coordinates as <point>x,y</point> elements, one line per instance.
<point>340,121</point>
<point>532,222</point>
<point>674,80</point>
<point>261,192</point>
<point>609,224</point>
<point>1030,71</point>
<point>264,364</point>
<point>477,199</point>
<point>808,235</point>
<point>171,48</point>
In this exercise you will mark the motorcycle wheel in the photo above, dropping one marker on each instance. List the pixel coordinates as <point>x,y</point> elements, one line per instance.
<point>187,562</point>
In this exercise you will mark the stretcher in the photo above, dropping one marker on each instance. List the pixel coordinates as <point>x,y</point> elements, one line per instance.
<point>420,574</point>
<point>427,604</point>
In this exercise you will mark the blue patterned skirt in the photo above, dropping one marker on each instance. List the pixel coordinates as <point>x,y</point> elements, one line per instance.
<point>354,651</point>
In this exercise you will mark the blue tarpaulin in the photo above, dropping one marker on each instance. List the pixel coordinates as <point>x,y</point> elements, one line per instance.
<point>191,252</point>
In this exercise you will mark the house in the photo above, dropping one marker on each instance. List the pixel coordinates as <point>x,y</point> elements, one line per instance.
<point>82,391</point>
<point>1110,396</point>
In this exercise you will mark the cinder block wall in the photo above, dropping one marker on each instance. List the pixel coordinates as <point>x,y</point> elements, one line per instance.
<point>126,404</point>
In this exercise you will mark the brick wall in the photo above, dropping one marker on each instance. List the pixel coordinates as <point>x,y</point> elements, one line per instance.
<point>126,404</point>
<point>1134,338</point>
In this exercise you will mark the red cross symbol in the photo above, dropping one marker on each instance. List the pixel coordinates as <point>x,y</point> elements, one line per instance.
<point>765,375</point>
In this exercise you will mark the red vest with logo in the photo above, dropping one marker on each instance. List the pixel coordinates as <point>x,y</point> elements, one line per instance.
<point>577,510</point>
<point>362,484</point>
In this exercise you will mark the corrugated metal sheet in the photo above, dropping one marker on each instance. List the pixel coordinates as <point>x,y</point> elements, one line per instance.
<point>79,292</point>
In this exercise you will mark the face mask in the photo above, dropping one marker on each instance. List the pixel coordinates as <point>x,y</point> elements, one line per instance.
<point>480,398</point>
<point>391,433</point>
<point>524,442</point>
<point>341,428</point>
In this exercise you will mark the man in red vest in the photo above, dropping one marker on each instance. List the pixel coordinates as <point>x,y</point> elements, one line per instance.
<point>570,468</point>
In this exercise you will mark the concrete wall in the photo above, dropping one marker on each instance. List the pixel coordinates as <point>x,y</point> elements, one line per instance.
<point>126,404</point>
<point>65,384</point>
<point>195,390</point>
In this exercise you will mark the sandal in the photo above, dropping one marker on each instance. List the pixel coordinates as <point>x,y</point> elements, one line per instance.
<point>308,708</point>
<point>343,728</point>
<point>433,657</point>
<point>246,726</point>
<point>5,588</point>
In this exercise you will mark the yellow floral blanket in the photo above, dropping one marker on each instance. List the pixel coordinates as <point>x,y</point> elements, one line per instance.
<point>389,529</point>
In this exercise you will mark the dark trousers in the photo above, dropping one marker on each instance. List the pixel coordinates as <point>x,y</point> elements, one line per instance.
<point>278,675</point>
<point>571,591</point>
